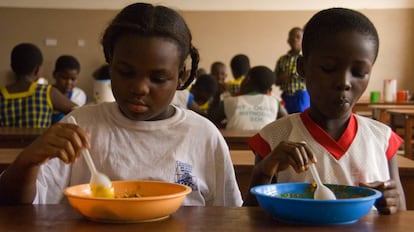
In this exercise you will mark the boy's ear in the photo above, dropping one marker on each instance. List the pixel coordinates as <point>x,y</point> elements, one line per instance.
<point>37,72</point>
<point>300,66</point>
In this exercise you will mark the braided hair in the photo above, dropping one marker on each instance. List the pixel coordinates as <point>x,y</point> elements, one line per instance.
<point>148,20</point>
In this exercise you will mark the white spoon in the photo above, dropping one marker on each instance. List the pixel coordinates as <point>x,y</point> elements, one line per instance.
<point>321,192</point>
<point>100,184</point>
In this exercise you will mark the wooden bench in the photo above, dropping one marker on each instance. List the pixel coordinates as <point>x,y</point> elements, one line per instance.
<point>237,139</point>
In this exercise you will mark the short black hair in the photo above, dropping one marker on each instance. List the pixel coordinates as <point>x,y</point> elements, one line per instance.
<point>66,62</point>
<point>215,66</point>
<point>25,58</point>
<point>240,65</point>
<point>331,21</point>
<point>260,79</point>
<point>102,73</point>
<point>206,83</point>
<point>147,20</point>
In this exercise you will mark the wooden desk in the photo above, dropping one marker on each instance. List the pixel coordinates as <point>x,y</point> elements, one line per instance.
<point>237,139</point>
<point>380,111</point>
<point>40,218</point>
<point>408,116</point>
<point>406,170</point>
<point>18,137</point>
<point>361,108</point>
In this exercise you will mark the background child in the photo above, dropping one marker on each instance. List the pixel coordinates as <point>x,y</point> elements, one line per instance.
<point>240,65</point>
<point>66,75</point>
<point>102,90</point>
<point>203,90</point>
<point>254,107</point>
<point>141,135</point>
<point>340,47</point>
<point>218,70</point>
<point>294,93</point>
<point>185,99</point>
<point>25,103</point>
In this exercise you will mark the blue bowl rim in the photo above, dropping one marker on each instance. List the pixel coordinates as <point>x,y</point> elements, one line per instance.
<point>377,194</point>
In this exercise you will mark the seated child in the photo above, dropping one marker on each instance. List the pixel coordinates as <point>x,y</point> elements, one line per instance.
<point>254,107</point>
<point>140,135</point>
<point>240,65</point>
<point>203,90</point>
<point>340,47</point>
<point>218,70</point>
<point>66,74</point>
<point>26,103</point>
<point>185,99</point>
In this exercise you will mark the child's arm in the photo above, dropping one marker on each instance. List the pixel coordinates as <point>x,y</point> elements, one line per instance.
<point>393,199</point>
<point>216,113</point>
<point>60,102</point>
<point>286,154</point>
<point>18,182</point>
<point>282,112</point>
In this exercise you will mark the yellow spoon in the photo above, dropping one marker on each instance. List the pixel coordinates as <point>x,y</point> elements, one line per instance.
<point>100,184</point>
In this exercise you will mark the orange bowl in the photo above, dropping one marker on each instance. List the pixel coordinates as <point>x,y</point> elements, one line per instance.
<point>157,201</point>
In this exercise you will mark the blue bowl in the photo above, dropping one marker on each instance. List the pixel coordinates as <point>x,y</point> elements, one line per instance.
<point>294,203</point>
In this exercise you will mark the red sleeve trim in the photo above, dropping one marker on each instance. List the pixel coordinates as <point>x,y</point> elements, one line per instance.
<point>394,144</point>
<point>258,145</point>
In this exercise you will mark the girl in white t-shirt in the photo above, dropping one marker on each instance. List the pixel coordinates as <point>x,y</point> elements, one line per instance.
<point>141,135</point>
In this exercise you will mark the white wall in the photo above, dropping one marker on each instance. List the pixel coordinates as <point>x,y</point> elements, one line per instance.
<point>215,5</point>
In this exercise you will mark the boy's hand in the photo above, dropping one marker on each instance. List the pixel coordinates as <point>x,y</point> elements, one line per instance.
<point>61,140</point>
<point>295,154</point>
<point>389,202</point>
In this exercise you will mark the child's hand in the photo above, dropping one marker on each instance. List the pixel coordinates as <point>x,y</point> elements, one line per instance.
<point>295,154</point>
<point>61,140</point>
<point>389,202</point>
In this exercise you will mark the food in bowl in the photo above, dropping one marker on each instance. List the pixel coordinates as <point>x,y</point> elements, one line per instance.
<point>157,200</point>
<point>294,203</point>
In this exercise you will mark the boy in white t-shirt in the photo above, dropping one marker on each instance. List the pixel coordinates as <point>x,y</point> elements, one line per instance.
<point>340,47</point>
<point>140,135</point>
<point>255,107</point>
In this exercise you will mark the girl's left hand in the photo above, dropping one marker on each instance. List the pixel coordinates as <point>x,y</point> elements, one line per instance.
<point>390,200</point>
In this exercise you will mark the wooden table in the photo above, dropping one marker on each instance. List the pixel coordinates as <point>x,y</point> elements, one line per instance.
<point>62,218</point>
<point>237,139</point>
<point>408,116</point>
<point>11,137</point>
<point>380,112</point>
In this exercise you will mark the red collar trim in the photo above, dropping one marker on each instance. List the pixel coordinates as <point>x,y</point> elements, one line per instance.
<point>336,148</point>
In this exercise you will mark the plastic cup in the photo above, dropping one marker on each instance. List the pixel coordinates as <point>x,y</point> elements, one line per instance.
<point>374,96</point>
<point>402,96</point>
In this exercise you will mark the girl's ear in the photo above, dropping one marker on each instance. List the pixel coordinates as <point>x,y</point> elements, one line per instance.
<point>300,66</point>
<point>182,78</point>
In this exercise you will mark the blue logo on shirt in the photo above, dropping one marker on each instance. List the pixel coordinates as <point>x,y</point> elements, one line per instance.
<point>183,175</point>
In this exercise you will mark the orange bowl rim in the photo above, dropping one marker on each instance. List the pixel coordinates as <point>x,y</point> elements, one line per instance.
<point>185,191</point>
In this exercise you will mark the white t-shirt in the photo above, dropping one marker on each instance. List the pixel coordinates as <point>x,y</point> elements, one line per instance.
<point>185,148</point>
<point>78,96</point>
<point>365,160</point>
<point>181,98</point>
<point>250,112</point>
